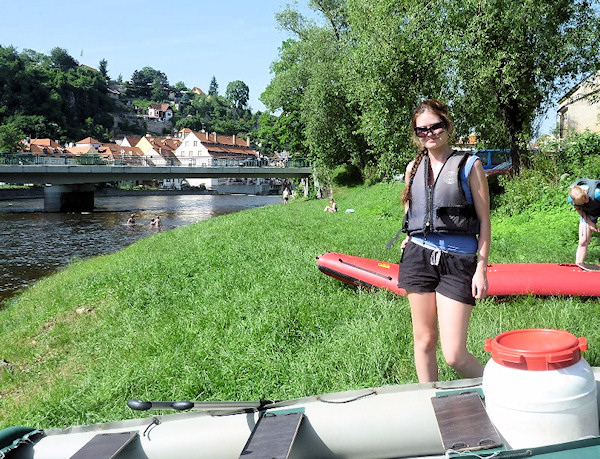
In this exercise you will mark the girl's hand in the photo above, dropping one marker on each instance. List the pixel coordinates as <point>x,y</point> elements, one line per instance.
<point>479,285</point>
<point>404,242</point>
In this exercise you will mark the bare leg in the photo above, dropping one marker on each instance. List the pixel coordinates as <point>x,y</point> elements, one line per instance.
<point>585,233</point>
<point>454,319</point>
<point>424,318</point>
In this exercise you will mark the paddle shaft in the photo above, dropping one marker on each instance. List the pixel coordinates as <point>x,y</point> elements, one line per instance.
<point>182,405</point>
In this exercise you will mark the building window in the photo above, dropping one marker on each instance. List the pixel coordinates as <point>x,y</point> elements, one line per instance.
<point>187,143</point>
<point>195,143</point>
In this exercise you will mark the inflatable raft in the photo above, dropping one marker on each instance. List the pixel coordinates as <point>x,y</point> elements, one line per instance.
<point>416,420</point>
<point>503,278</point>
<point>548,410</point>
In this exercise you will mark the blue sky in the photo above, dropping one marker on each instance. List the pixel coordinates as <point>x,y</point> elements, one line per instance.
<point>188,40</point>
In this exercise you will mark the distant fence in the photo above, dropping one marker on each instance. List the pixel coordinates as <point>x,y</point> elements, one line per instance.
<point>27,159</point>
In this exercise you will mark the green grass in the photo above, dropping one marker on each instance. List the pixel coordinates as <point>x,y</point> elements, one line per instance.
<point>234,308</point>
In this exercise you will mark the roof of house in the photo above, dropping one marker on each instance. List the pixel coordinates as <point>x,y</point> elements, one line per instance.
<point>161,107</point>
<point>115,152</point>
<point>89,141</point>
<point>44,147</point>
<point>44,143</point>
<point>132,140</point>
<point>81,150</point>
<point>167,143</point>
<point>221,139</point>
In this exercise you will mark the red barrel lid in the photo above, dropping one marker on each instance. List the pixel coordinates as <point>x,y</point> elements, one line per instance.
<point>536,349</point>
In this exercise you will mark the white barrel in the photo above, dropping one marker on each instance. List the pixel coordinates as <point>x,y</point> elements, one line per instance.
<point>538,390</point>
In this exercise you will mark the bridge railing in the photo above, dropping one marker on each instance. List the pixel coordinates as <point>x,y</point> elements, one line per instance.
<point>13,159</point>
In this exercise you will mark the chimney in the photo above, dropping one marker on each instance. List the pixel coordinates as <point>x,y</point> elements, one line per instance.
<point>214,137</point>
<point>207,136</point>
<point>233,139</point>
<point>248,141</point>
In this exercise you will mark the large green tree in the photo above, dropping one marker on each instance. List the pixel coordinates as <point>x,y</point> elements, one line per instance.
<point>354,79</point>
<point>396,58</point>
<point>238,94</point>
<point>511,60</point>
<point>307,86</point>
<point>148,83</point>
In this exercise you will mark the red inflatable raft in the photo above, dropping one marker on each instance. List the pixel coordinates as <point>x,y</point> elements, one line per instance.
<point>503,278</point>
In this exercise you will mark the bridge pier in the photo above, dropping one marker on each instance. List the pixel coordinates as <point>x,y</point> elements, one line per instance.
<point>69,198</point>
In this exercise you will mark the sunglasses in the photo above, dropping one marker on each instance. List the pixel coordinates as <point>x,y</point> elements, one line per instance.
<point>434,129</point>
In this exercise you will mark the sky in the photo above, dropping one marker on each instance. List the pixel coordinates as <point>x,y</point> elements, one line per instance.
<point>188,40</point>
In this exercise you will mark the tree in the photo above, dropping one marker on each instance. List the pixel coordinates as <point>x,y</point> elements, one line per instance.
<point>180,86</point>
<point>102,68</point>
<point>307,87</point>
<point>148,80</point>
<point>61,59</point>
<point>213,88</point>
<point>511,59</point>
<point>238,93</point>
<point>10,139</point>
<point>389,71</point>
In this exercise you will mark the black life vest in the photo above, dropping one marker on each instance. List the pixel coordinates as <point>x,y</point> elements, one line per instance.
<point>592,207</point>
<point>443,206</point>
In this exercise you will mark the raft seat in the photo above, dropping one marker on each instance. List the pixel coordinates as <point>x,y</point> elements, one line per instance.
<point>105,446</point>
<point>273,436</point>
<point>463,422</point>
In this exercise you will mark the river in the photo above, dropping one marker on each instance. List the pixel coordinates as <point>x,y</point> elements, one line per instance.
<point>34,244</point>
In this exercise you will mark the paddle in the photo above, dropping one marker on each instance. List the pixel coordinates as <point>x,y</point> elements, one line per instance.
<point>183,405</point>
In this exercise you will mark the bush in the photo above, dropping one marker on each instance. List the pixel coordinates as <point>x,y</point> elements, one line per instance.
<point>346,175</point>
<point>556,165</point>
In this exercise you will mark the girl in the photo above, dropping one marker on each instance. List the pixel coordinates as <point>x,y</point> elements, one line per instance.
<point>444,257</point>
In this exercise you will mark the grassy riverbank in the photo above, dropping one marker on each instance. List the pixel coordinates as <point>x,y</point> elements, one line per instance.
<point>235,308</point>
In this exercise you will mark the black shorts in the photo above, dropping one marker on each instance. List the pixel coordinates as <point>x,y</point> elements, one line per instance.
<point>452,276</point>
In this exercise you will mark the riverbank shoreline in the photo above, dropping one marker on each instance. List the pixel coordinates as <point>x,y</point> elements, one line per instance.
<point>9,194</point>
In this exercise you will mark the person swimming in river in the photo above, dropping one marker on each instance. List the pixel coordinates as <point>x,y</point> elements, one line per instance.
<point>156,223</point>
<point>131,220</point>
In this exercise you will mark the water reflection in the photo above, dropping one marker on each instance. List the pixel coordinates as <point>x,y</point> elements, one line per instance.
<point>34,244</point>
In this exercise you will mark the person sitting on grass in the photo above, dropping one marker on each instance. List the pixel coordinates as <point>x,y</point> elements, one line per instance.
<point>584,194</point>
<point>332,207</point>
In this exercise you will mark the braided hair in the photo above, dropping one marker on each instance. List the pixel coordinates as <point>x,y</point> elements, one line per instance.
<point>439,109</point>
<point>406,193</point>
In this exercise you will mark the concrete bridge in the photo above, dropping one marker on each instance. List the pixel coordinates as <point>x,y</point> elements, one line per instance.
<point>70,188</point>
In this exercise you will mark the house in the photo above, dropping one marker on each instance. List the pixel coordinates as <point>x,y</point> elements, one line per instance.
<point>197,90</point>
<point>82,150</point>
<point>44,147</point>
<point>89,141</point>
<point>204,149</point>
<point>579,109</point>
<point>129,141</point>
<point>160,151</point>
<point>160,112</point>
<point>122,155</point>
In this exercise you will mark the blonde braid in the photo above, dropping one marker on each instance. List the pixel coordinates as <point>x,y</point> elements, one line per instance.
<point>406,193</point>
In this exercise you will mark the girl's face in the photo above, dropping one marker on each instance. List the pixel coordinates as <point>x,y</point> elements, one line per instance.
<point>437,135</point>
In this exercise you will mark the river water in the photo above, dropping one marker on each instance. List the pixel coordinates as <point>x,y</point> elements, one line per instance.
<point>34,244</point>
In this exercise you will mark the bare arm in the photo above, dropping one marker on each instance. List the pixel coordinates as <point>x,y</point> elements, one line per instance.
<point>406,179</point>
<point>587,219</point>
<point>481,199</point>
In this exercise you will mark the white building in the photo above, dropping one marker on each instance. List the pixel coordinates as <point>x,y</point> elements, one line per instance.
<point>204,149</point>
<point>579,109</point>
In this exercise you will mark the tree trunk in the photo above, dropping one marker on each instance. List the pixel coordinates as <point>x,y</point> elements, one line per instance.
<point>514,127</point>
